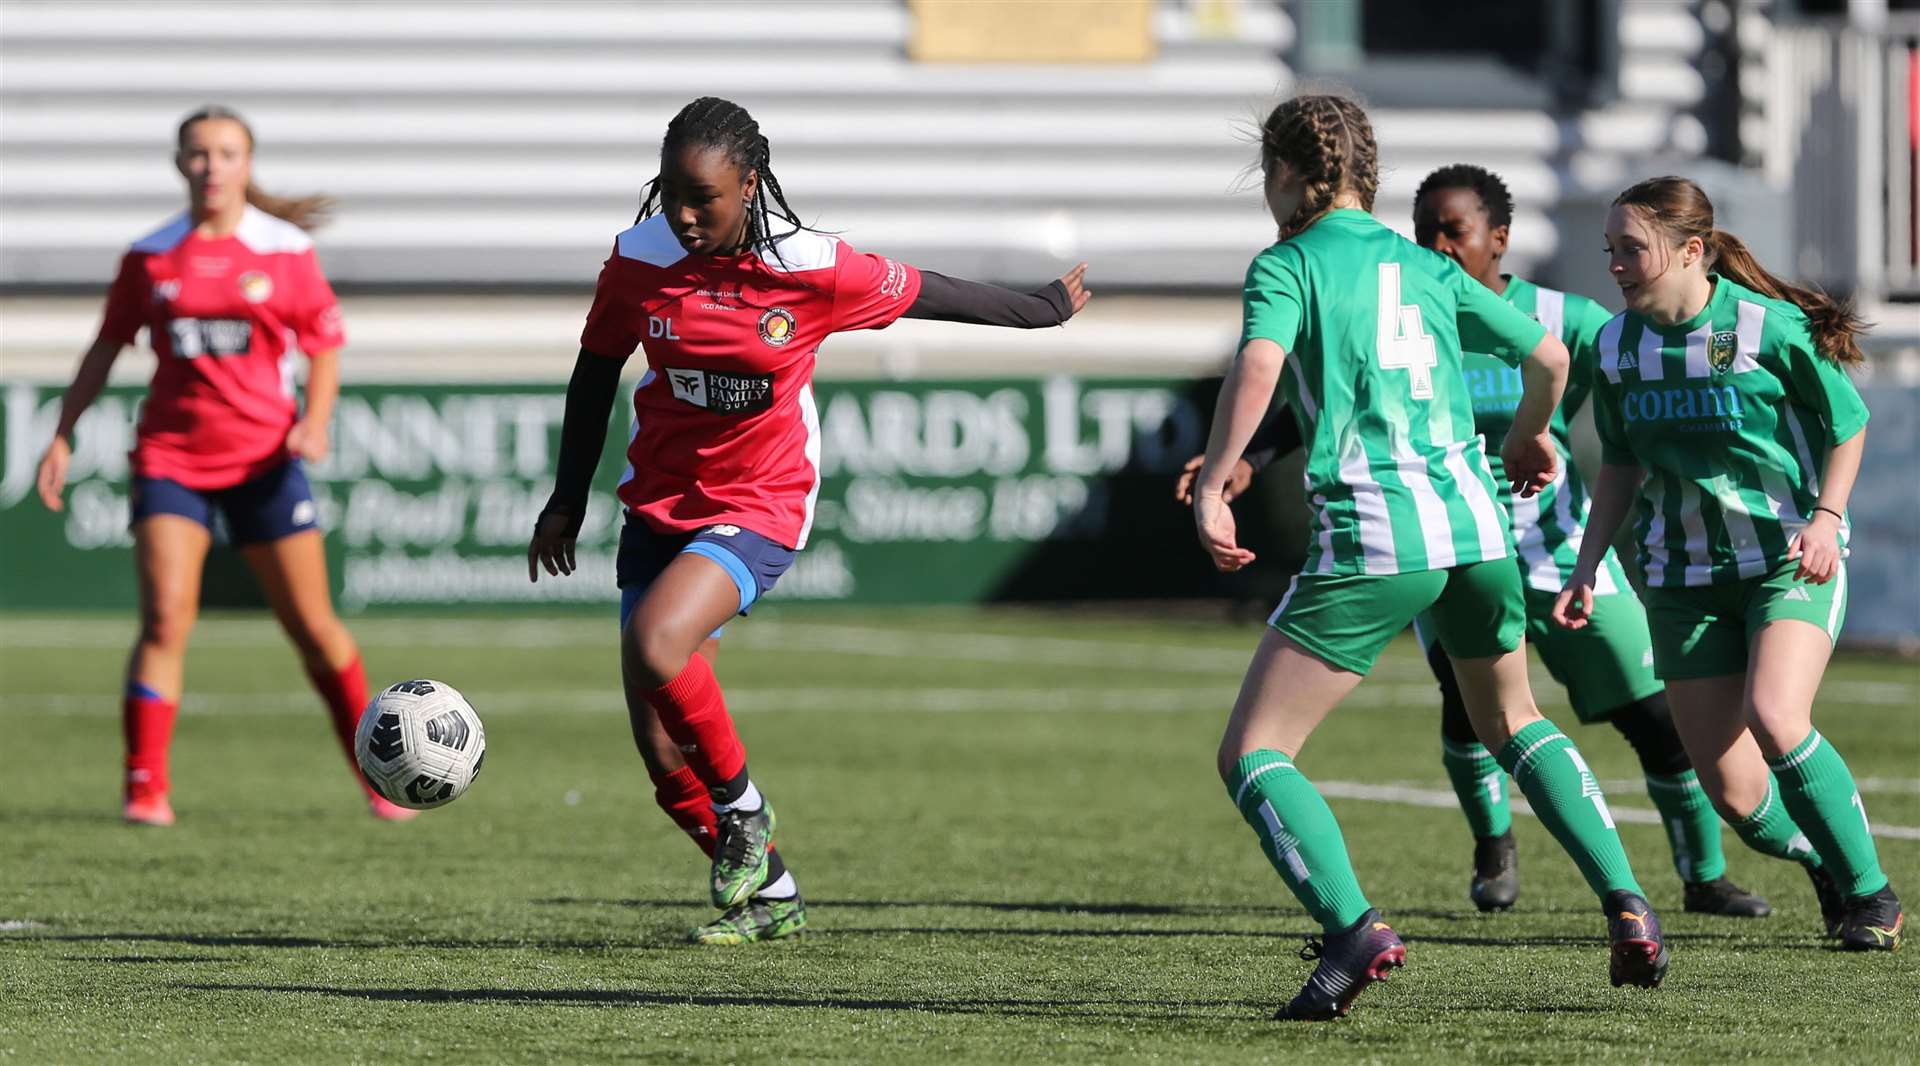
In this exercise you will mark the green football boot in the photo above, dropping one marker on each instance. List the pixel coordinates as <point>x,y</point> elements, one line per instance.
<point>741,839</point>
<point>755,920</point>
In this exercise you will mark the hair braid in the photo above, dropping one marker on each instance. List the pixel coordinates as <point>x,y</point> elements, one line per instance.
<point>711,122</point>
<point>1328,143</point>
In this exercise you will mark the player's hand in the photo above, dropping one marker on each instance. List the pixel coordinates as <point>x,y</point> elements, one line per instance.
<point>1237,480</point>
<point>1075,281</point>
<point>308,441</point>
<point>1574,605</point>
<point>1817,546</point>
<point>552,545</point>
<point>1213,519</point>
<point>52,477</point>
<point>1531,462</point>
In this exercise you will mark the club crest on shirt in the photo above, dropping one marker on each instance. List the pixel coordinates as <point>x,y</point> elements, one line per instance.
<point>777,326</point>
<point>256,287</point>
<point>1720,349</point>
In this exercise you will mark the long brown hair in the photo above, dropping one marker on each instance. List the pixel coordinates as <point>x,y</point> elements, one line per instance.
<point>307,212</point>
<point>1678,208</point>
<point>1328,142</point>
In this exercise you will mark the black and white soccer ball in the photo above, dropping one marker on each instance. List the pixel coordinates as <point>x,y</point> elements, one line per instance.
<point>420,744</point>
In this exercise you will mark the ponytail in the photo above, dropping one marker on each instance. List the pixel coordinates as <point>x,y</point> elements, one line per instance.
<point>306,212</point>
<point>1835,324</point>
<point>1678,208</point>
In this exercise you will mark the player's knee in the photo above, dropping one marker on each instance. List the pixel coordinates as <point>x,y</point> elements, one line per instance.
<point>1777,731</point>
<point>657,651</point>
<point>1647,724</point>
<point>166,625</point>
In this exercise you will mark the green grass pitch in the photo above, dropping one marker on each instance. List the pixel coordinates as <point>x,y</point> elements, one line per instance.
<point>1007,826</point>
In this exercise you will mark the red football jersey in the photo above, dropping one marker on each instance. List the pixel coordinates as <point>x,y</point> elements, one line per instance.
<point>218,313</point>
<point>725,427</point>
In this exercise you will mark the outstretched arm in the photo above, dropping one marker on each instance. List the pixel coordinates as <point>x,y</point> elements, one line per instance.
<point>583,433</point>
<point>948,299</point>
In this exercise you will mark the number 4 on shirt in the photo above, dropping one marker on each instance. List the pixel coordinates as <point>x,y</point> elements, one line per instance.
<point>1402,341</point>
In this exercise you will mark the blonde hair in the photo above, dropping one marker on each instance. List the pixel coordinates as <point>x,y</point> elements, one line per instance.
<point>1680,209</point>
<point>1327,141</point>
<point>307,212</point>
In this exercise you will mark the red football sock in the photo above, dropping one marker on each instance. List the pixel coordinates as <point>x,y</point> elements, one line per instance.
<point>146,721</point>
<point>686,801</point>
<point>345,691</point>
<point>694,714</point>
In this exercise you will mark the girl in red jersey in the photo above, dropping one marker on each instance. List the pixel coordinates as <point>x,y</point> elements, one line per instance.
<point>724,463</point>
<point>219,288</point>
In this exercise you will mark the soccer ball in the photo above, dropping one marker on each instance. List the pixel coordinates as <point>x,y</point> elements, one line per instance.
<point>420,744</point>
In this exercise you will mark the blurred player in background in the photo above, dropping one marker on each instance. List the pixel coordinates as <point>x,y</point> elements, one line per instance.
<point>1725,411</point>
<point>724,461</point>
<point>221,289</point>
<point>1370,328</point>
<point>1464,212</point>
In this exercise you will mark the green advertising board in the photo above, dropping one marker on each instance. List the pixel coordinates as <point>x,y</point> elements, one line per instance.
<point>932,492</point>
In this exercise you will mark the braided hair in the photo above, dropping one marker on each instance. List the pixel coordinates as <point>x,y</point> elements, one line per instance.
<point>1484,183</point>
<point>1328,142</point>
<point>711,122</point>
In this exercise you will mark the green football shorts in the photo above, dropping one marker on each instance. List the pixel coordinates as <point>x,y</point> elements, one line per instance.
<point>1604,666</point>
<point>1347,620</point>
<point>1705,630</point>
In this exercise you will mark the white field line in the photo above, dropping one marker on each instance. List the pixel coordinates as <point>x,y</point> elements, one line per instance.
<point>1899,786</point>
<point>1408,796</point>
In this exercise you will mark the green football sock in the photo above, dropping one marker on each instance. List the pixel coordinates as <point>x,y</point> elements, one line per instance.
<point>1480,784</point>
<point>1769,830</point>
<point>1693,829</point>
<point>1566,798</point>
<point>1298,832</point>
<point>1819,792</point>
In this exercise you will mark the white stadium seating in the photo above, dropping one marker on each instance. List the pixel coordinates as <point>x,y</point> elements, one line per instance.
<point>504,144</point>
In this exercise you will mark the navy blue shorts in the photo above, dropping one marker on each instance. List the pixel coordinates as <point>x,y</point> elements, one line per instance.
<point>751,560</point>
<point>278,503</point>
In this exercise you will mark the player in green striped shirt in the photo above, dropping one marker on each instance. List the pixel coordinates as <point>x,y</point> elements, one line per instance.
<point>1464,212</point>
<point>1726,414</point>
<point>1369,328</point>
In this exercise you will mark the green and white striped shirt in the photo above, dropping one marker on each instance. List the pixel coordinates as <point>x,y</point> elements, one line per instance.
<point>1373,327</point>
<point>1731,414</point>
<point>1548,527</point>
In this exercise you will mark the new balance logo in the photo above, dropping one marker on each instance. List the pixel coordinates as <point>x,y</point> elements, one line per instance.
<point>1798,592</point>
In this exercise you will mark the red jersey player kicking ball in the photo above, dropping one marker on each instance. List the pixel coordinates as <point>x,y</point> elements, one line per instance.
<point>220,289</point>
<point>725,458</point>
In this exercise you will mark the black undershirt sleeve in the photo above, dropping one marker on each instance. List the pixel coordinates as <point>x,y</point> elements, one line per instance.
<point>1277,435</point>
<point>948,299</point>
<point>583,433</point>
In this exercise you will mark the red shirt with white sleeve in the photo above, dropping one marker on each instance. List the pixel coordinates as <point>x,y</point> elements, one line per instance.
<point>725,426</point>
<point>219,313</point>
